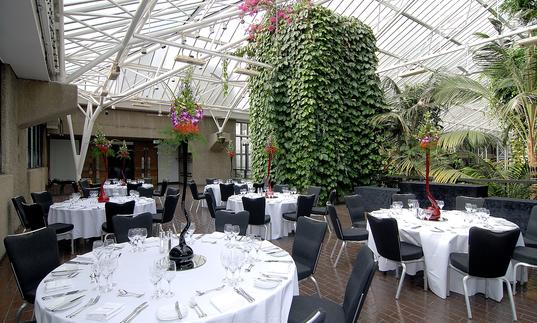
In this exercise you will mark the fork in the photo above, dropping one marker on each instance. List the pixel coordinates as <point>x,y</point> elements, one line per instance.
<point>199,293</point>
<point>197,308</point>
<point>71,275</point>
<point>91,302</point>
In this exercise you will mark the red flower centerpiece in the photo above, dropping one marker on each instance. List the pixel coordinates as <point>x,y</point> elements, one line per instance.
<point>103,147</point>
<point>270,149</point>
<point>230,150</point>
<point>428,134</point>
<point>123,154</point>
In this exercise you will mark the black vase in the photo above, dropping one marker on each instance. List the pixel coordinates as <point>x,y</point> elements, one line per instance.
<point>182,254</point>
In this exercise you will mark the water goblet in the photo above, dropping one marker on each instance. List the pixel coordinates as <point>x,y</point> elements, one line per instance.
<point>228,231</point>
<point>143,236</point>
<point>97,249</point>
<point>156,272</point>
<point>235,230</point>
<point>225,255</point>
<point>190,232</point>
<point>468,207</point>
<point>440,204</point>
<point>428,214</point>
<point>132,234</point>
<point>169,275</point>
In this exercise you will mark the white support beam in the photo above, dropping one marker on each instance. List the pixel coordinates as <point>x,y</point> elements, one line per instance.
<point>73,76</point>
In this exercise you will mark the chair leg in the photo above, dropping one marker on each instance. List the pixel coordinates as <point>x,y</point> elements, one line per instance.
<point>448,280</point>
<point>511,300</point>
<point>198,207</point>
<point>466,298</point>
<point>343,245</point>
<point>316,285</point>
<point>334,249</point>
<point>174,228</point>
<point>514,276</point>
<point>425,279</point>
<point>329,227</point>
<point>72,244</point>
<point>191,205</point>
<point>403,272</point>
<point>19,311</point>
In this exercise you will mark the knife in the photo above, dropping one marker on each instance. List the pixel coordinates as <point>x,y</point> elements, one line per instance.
<point>284,261</point>
<point>178,310</point>
<point>238,291</point>
<point>63,294</point>
<point>79,262</point>
<point>61,305</point>
<point>133,313</point>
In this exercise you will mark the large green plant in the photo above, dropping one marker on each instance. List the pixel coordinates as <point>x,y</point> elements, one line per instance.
<point>317,101</point>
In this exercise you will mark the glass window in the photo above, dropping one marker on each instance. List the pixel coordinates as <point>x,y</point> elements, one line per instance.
<point>242,147</point>
<point>36,135</point>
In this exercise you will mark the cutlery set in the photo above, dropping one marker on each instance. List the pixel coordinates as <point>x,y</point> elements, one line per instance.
<point>199,293</point>
<point>244,294</point>
<point>135,312</point>
<point>194,305</point>
<point>91,302</point>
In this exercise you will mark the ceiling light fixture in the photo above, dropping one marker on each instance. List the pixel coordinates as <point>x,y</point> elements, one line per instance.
<point>526,42</point>
<point>413,72</point>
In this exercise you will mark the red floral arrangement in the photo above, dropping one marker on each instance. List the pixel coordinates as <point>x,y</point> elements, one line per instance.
<point>186,128</point>
<point>230,150</point>
<point>123,152</point>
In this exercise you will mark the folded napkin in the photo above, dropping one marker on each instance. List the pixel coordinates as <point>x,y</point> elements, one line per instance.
<point>104,312</point>
<point>227,300</point>
<point>56,285</point>
<point>62,302</point>
<point>84,259</point>
<point>168,312</point>
<point>277,268</point>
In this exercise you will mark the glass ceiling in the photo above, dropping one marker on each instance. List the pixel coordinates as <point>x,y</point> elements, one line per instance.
<point>144,37</point>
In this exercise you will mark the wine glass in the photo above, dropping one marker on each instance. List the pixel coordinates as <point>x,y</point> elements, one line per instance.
<point>156,272</point>
<point>97,249</point>
<point>132,235</point>
<point>411,205</point>
<point>428,214</point>
<point>468,207</point>
<point>440,204</point>
<point>235,230</point>
<point>228,230</point>
<point>190,231</point>
<point>169,275</point>
<point>143,236</point>
<point>225,255</point>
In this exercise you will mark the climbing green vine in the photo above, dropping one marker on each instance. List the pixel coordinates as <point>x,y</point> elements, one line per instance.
<point>317,101</point>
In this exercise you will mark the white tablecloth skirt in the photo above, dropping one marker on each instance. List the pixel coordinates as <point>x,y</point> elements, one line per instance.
<point>270,306</point>
<point>437,247</point>
<point>87,220</point>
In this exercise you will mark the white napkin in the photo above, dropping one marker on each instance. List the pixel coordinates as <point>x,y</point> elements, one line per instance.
<point>62,302</point>
<point>168,312</point>
<point>56,285</point>
<point>277,268</point>
<point>84,259</point>
<point>104,312</point>
<point>227,300</point>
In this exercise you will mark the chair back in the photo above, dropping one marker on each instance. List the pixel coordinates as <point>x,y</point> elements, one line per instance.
<point>238,188</point>
<point>304,204</point>
<point>403,198</point>
<point>386,235</point>
<point>460,202</point>
<point>32,256</point>
<point>34,215</point>
<point>170,204</point>
<point>84,183</point>
<point>112,209</point>
<point>358,285</point>
<point>334,220</point>
<point>314,190</point>
<point>145,191</point>
<point>531,229</point>
<point>356,207</point>
<point>44,199</point>
<point>224,217</point>
<point>317,316</point>
<point>17,204</point>
<point>193,189</point>
<point>484,263</point>
<point>122,224</point>
<point>256,208</point>
<point>332,197</point>
<point>172,191</point>
<point>211,203</point>
<point>280,187</point>
<point>209,181</point>
<point>147,180</point>
<point>259,186</point>
<point>163,187</point>
<point>226,190</point>
<point>309,238</point>
<point>133,187</point>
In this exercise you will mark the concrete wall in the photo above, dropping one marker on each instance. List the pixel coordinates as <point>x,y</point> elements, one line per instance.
<point>24,103</point>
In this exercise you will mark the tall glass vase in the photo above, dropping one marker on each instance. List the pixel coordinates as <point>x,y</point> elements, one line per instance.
<point>103,198</point>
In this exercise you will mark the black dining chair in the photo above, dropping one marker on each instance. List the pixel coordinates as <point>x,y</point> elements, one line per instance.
<point>241,219</point>
<point>344,235</point>
<point>17,204</point>
<point>147,180</point>
<point>258,186</point>
<point>314,190</point>
<point>317,316</point>
<point>159,193</point>
<point>304,203</point>
<point>355,294</point>
<point>36,220</point>
<point>307,247</point>
<point>122,224</point>
<point>196,196</point>
<point>480,262</point>
<point>44,199</point>
<point>525,257</point>
<point>356,207</point>
<point>258,217</point>
<point>169,191</point>
<point>226,191</point>
<point>530,237</point>
<point>133,187</point>
<point>461,201</point>
<point>32,256</point>
<point>86,192</point>
<point>145,191</point>
<point>323,211</point>
<point>278,188</point>
<point>170,204</point>
<point>210,180</point>
<point>238,187</point>
<point>403,197</point>
<point>112,209</point>
<point>386,236</point>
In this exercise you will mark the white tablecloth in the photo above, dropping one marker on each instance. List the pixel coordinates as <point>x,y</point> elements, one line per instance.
<point>87,215</point>
<point>438,245</point>
<point>274,207</point>
<point>270,306</point>
<point>216,191</point>
<point>119,190</point>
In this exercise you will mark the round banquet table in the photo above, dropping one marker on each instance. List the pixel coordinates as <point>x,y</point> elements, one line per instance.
<point>274,207</point>
<point>438,239</point>
<point>216,192</point>
<point>87,215</point>
<point>119,190</point>
<point>271,305</point>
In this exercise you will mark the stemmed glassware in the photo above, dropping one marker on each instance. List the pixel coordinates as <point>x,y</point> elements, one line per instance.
<point>228,231</point>
<point>190,232</point>
<point>169,275</point>
<point>235,230</point>
<point>225,258</point>
<point>156,273</point>
<point>440,204</point>
<point>143,236</point>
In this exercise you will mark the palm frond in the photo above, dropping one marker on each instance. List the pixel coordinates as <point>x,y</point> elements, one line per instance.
<point>446,174</point>
<point>456,140</point>
<point>459,90</point>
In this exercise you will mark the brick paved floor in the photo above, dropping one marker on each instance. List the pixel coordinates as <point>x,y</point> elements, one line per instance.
<point>414,305</point>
